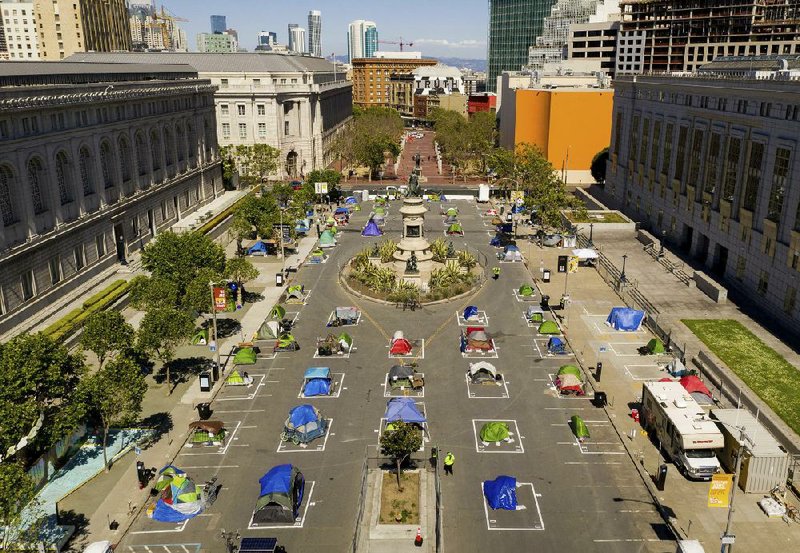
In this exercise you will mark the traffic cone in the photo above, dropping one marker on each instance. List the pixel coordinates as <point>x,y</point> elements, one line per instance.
<point>418,539</point>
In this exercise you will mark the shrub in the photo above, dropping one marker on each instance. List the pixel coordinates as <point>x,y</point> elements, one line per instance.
<point>467,260</point>
<point>439,250</point>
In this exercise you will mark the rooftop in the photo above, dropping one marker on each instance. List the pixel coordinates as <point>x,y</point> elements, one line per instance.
<point>32,73</point>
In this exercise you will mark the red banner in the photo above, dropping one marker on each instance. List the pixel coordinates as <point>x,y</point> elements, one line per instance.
<point>220,300</point>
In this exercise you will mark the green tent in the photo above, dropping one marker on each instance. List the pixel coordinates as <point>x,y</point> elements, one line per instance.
<point>235,379</point>
<point>330,221</point>
<point>655,346</point>
<point>494,432</point>
<point>269,330</point>
<point>455,228</point>
<point>327,239</point>
<point>452,212</point>
<point>570,369</point>
<point>379,211</point>
<point>286,341</point>
<point>525,290</point>
<point>245,356</point>
<point>200,337</point>
<point>278,312</point>
<point>346,341</point>
<point>549,327</point>
<point>579,427</point>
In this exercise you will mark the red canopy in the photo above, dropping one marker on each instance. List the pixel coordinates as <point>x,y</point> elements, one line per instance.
<point>694,384</point>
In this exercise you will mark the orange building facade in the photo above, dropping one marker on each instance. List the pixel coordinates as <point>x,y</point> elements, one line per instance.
<point>569,126</point>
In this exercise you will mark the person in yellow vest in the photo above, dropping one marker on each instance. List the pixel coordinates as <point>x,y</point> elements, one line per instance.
<point>495,272</point>
<point>449,461</point>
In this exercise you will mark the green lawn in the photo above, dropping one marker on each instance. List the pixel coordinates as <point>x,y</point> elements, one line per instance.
<point>597,217</point>
<point>769,375</point>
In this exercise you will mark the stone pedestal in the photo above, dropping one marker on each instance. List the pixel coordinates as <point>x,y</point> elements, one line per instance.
<point>413,241</point>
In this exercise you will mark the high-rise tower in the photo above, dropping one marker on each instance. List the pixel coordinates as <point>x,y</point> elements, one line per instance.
<point>362,39</point>
<point>315,33</point>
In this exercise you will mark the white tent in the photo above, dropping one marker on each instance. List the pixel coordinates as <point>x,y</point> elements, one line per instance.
<point>585,253</point>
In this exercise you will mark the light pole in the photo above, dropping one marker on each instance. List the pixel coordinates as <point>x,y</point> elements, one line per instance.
<point>216,336</point>
<point>622,277</point>
<point>727,538</point>
<point>663,238</point>
<point>591,234</point>
<point>283,252</point>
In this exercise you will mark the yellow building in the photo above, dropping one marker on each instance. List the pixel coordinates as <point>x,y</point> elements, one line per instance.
<point>569,125</point>
<point>372,79</point>
<point>70,26</point>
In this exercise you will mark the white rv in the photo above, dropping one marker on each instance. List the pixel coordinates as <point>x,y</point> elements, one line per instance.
<point>684,431</point>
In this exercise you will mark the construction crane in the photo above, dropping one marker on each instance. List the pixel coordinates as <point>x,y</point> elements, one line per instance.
<point>163,21</point>
<point>401,43</point>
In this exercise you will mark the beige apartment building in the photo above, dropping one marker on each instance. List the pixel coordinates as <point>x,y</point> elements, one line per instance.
<point>373,79</point>
<point>70,26</point>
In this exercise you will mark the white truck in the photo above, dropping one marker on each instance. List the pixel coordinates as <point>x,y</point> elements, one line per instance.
<point>683,430</point>
<point>483,193</point>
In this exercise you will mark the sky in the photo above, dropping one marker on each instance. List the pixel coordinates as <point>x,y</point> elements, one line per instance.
<point>439,28</point>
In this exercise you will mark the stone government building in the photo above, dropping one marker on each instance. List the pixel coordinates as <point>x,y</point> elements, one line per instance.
<point>294,103</point>
<point>95,159</point>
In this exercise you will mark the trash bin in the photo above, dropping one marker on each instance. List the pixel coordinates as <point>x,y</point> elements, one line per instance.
<point>600,399</point>
<point>204,410</point>
<point>205,382</point>
<point>661,477</point>
<point>545,302</point>
<point>546,275</point>
<point>278,279</point>
<point>562,263</point>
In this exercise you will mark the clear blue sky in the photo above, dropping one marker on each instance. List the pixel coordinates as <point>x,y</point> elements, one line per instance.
<point>455,28</point>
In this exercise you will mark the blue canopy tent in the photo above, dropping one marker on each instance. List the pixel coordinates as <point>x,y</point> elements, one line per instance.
<point>556,345</point>
<point>350,200</point>
<point>282,489</point>
<point>501,493</point>
<point>403,409</point>
<point>317,382</point>
<point>341,211</point>
<point>259,248</point>
<point>305,423</point>
<point>371,229</point>
<point>470,313</point>
<point>625,318</point>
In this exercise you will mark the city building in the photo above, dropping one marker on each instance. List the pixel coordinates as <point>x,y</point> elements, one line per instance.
<point>234,34</point>
<point>437,79</point>
<point>214,43</point>
<point>424,104</point>
<point>594,44</point>
<point>513,28</point>
<point>297,39</point>
<point>708,163</point>
<point>372,79</point>
<point>682,35</point>
<point>19,37</point>
<point>267,38</point>
<point>95,160</point>
<point>474,81</point>
<point>290,40</point>
<point>629,59</point>
<point>156,30</point>
<point>218,24</point>
<point>362,39</point>
<point>98,27</point>
<point>315,33</point>
<point>483,101</point>
<point>567,116</point>
<point>405,55</point>
<point>296,104</point>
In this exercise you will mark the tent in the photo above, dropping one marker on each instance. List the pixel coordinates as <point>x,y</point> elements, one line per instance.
<point>625,318</point>
<point>526,291</point>
<point>305,423</point>
<point>403,409</point>
<point>585,254</point>
<point>346,342</point>
<point>349,200</point>
<point>494,432</point>
<point>579,427</point>
<point>501,493</point>
<point>378,218</point>
<point>317,382</point>
<point>697,389</point>
<point>471,313</point>
<point>303,226</point>
<point>677,368</point>
<point>455,229</point>
<point>208,433</point>
<point>510,253</point>
<point>449,220</point>
<point>534,314</point>
<point>295,293</point>
<point>501,240</point>
<point>654,346</point>
<point>278,312</point>
<point>570,380</point>
<point>316,257</point>
<point>506,228</point>
<point>344,316</point>
<point>452,212</point>
<point>238,379</point>
<point>556,346</point>
<point>496,221</point>
<point>380,210</point>
<point>549,327</point>
<point>483,373</point>
<point>327,239</point>
<point>269,330</point>
<point>371,229</point>
<point>179,498</point>
<point>341,211</point>
<point>551,240</point>
<point>404,376</point>
<point>259,248</point>
<point>475,339</point>
<point>399,345</point>
<point>286,342</point>
<point>245,356</point>
<point>200,337</point>
<point>282,489</point>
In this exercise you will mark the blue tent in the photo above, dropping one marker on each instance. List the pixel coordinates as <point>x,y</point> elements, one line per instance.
<point>302,415</point>
<point>371,229</point>
<point>470,312</point>
<point>403,409</point>
<point>317,382</point>
<point>258,247</point>
<point>350,200</point>
<point>556,345</point>
<point>179,498</point>
<point>341,211</point>
<point>501,493</point>
<point>282,489</point>
<point>625,318</point>
<point>511,248</point>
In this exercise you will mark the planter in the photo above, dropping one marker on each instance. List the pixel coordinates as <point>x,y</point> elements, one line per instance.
<point>400,507</point>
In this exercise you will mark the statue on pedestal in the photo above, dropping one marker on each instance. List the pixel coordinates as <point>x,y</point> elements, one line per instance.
<point>375,251</point>
<point>451,251</point>
<point>413,185</point>
<point>411,264</point>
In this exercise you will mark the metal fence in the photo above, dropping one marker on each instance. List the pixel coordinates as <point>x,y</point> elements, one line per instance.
<point>362,501</point>
<point>438,488</point>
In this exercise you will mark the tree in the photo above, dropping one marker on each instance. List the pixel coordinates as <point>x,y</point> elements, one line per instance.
<point>400,442</point>
<point>38,403</point>
<point>146,292</point>
<point>17,493</point>
<point>253,163</point>
<point>106,333</point>
<point>371,134</point>
<point>598,167</point>
<point>161,332</point>
<point>116,393</point>
<point>198,292</point>
<point>240,270</point>
<point>179,257</point>
<point>464,143</point>
<point>333,178</point>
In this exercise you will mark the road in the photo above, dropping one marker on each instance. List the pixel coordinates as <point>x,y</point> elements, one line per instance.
<point>577,498</point>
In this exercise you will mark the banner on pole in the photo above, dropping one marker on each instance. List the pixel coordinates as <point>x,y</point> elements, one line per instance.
<point>720,490</point>
<point>220,300</point>
<point>320,187</point>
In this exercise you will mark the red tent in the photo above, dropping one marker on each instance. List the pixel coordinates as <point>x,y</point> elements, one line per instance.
<point>399,345</point>
<point>694,385</point>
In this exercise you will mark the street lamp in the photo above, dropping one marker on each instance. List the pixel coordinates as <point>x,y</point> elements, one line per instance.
<point>663,238</point>
<point>727,537</point>
<point>622,277</point>
<point>591,234</point>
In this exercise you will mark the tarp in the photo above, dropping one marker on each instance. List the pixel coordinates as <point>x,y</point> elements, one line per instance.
<point>676,368</point>
<point>350,200</point>
<point>694,385</point>
<point>403,409</point>
<point>549,327</point>
<point>534,314</point>
<point>471,312</point>
<point>269,330</point>
<point>347,315</point>
<point>655,346</point>
<point>302,226</point>
<point>585,253</point>
<point>512,253</point>
<point>258,247</point>
<point>525,290</point>
<point>556,345</point>
<point>301,415</point>
<point>317,372</point>
<point>278,312</point>
<point>579,427</point>
<point>475,338</point>
<point>179,499</point>
<point>501,493</point>
<point>551,240</point>
<point>371,229</point>
<point>327,239</point>
<point>625,318</point>
<point>494,432</point>
<point>455,228</point>
<point>245,356</point>
<point>317,387</point>
<point>482,372</point>
<point>282,489</point>
<point>400,372</point>
<point>341,211</point>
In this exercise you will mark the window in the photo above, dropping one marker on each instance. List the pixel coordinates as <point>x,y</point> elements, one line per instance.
<point>226,130</point>
<point>741,264</point>
<point>712,157</point>
<point>124,158</point>
<point>286,128</point>
<point>633,140</point>
<point>135,225</point>
<point>35,176</point>
<point>28,285</point>
<point>262,130</point>
<point>100,242</point>
<point>242,130</point>
<point>6,207</point>
<point>106,160</point>
<point>63,178</point>
<point>790,300</point>
<point>223,83</point>
<point>262,109</point>
<point>87,174</point>
<point>80,258</point>
<point>55,270</point>
<point>666,165</point>
<point>779,180</point>
<point>763,282</point>
<point>680,160</point>
<point>169,146</point>
<point>753,176</point>
<point>224,109</point>
<point>155,150</point>
<point>618,136</point>
<point>694,157</point>
<point>181,143</point>
<point>141,155</point>
<point>240,109</point>
<point>645,142</point>
<point>731,168</point>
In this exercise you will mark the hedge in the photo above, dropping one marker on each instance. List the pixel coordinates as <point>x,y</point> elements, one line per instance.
<point>209,225</point>
<point>68,324</point>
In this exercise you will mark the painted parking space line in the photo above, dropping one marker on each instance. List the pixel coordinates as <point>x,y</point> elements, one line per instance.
<point>298,523</point>
<point>341,355</point>
<point>625,349</point>
<point>644,372</point>
<point>513,445</point>
<point>498,390</point>
<point>251,395</point>
<point>165,548</point>
<point>222,450</point>
<point>338,382</point>
<point>541,348</point>
<point>417,351</point>
<point>332,316</point>
<point>524,299</point>
<point>289,447</point>
<point>559,395</point>
<point>482,319</point>
<point>306,296</point>
<point>175,530</point>
<point>388,391</point>
<point>525,518</point>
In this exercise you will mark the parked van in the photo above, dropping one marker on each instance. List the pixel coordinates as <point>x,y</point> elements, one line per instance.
<point>99,547</point>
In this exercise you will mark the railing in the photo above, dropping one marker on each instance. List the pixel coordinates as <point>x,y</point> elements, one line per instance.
<point>439,515</point>
<point>362,500</point>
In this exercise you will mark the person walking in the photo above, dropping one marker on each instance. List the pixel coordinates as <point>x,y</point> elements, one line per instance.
<point>449,461</point>
<point>495,273</point>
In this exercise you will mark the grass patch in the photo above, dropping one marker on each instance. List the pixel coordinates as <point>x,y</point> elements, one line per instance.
<point>400,507</point>
<point>769,375</point>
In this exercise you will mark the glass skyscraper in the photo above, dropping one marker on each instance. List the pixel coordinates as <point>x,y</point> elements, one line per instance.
<point>370,42</point>
<point>218,24</point>
<point>513,28</point>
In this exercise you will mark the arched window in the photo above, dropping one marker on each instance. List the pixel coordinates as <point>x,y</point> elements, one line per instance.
<point>155,150</point>
<point>6,206</point>
<point>169,146</point>
<point>87,171</point>
<point>181,141</point>
<point>141,154</point>
<point>124,158</point>
<point>291,164</point>
<point>63,178</point>
<point>107,164</point>
<point>208,135</point>
<point>35,178</point>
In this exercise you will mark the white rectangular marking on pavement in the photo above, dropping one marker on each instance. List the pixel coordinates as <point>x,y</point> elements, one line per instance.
<point>299,449</point>
<point>489,521</point>
<point>345,355</point>
<point>514,435</point>
<point>338,381</point>
<point>622,347</point>
<point>417,345</point>
<point>388,391</point>
<point>426,437</point>
<point>559,395</point>
<point>333,314</point>
<point>482,319</point>
<point>297,523</point>
<point>474,395</point>
<point>175,530</point>
<point>644,372</point>
<point>252,394</point>
<point>524,299</point>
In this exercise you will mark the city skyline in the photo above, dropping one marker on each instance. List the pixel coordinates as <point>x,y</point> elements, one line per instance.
<point>464,36</point>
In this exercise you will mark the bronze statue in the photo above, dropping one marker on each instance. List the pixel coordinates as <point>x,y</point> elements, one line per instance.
<point>411,264</point>
<point>375,251</point>
<point>451,251</point>
<point>413,185</point>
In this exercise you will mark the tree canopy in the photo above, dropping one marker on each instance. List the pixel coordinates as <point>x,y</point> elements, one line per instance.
<point>464,143</point>
<point>372,133</point>
<point>400,442</point>
<point>17,491</point>
<point>161,332</point>
<point>106,333</point>
<point>253,163</point>
<point>179,257</point>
